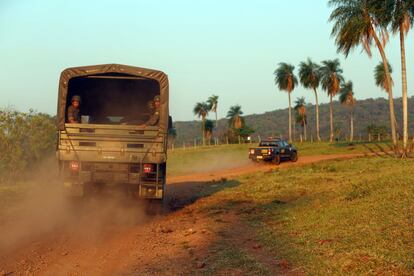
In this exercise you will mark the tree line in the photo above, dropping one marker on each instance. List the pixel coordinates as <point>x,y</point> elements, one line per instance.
<point>25,140</point>
<point>355,23</point>
<point>236,124</point>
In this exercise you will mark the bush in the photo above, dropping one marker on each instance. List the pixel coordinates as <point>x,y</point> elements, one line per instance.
<point>25,139</point>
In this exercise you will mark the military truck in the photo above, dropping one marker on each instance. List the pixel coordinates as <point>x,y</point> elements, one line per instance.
<point>112,145</point>
<point>274,150</point>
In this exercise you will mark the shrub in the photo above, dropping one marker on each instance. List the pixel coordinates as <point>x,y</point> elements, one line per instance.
<point>25,139</point>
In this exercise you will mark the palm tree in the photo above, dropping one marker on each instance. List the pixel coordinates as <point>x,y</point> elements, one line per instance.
<point>331,78</point>
<point>213,104</point>
<point>236,121</point>
<point>208,127</point>
<point>201,110</point>
<point>309,77</point>
<point>360,22</point>
<point>300,108</point>
<point>379,76</point>
<point>286,81</point>
<point>401,23</point>
<point>380,80</point>
<point>346,98</point>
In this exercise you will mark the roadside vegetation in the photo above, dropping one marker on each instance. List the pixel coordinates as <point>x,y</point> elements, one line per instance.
<point>203,159</point>
<point>26,139</point>
<point>336,217</point>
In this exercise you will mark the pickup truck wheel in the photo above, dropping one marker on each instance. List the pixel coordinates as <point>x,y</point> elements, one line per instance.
<point>276,159</point>
<point>294,157</point>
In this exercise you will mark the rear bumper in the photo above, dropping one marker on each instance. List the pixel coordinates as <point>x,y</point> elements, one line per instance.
<point>75,188</point>
<point>130,177</point>
<point>256,157</point>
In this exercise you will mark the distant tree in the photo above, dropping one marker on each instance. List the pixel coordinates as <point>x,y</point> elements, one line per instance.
<point>309,76</point>
<point>286,81</point>
<point>172,134</point>
<point>208,127</point>
<point>331,78</point>
<point>346,98</point>
<point>234,117</point>
<point>360,22</point>
<point>244,132</point>
<point>213,104</point>
<point>201,110</point>
<point>301,116</point>
<point>26,139</point>
<point>376,131</point>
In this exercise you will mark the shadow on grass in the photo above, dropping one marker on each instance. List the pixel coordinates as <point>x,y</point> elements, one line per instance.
<point>183,194</point>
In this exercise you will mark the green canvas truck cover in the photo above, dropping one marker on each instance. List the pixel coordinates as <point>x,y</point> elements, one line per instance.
<point>113,71</point>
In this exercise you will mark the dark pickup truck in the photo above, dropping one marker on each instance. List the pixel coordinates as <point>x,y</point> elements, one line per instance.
<point>274,150</point>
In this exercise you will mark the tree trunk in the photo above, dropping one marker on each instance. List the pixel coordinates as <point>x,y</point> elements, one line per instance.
<point>318,137</point>
<point>304,130</point>
<point>290,119</point>
<point>351,135</point>
<point>331,135</point>
<point>404,93</point>
<point>390,95</point>
<point>204,130</point>
<point>294,130</point>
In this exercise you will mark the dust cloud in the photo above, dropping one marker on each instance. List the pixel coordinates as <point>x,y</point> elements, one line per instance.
<point>213,161</point>
<point>44,210</point>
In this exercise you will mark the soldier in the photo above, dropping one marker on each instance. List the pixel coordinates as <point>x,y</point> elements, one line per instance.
<point>73,110</point>
<point>155,112</point>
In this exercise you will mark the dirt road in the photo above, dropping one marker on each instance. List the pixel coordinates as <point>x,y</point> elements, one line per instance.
<point>107,237</point>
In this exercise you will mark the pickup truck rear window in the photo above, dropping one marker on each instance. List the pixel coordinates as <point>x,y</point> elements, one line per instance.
<point>269,144</point>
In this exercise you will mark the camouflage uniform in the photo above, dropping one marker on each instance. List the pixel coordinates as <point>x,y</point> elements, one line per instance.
<point>73,114</point>
<point>154,117</point>
<point>155,112</point>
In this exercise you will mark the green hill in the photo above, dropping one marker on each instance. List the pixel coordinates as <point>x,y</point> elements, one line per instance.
<point>367,112</point>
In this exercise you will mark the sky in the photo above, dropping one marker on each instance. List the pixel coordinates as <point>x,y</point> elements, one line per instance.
<point>228,48</point>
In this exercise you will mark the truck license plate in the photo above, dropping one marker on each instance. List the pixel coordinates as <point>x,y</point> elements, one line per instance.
<point>282,151</point>
<point>259,157</point>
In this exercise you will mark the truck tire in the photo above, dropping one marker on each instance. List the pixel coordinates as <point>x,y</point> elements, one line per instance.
<point>276,159</point>
<point>294,157</point>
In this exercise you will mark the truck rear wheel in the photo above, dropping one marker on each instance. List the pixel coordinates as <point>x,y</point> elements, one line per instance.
<point>276,159</point>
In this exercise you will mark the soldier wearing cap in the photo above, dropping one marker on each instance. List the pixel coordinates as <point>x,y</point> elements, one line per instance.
<point>74,111</point>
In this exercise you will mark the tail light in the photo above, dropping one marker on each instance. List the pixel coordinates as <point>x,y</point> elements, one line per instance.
<point>252,151</point>
<point>270,150</point>
<point>74,166</point>
<point>148,168</point>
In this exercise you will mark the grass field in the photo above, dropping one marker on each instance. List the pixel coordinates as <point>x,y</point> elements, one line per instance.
<point>190,160</point>
<point>335,217</point>
<point>342,217</point>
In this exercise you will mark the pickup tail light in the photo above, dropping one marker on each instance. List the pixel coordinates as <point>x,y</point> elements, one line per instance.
<point>148,168</point>
<point>270,151</point>
<point>251,151</point>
